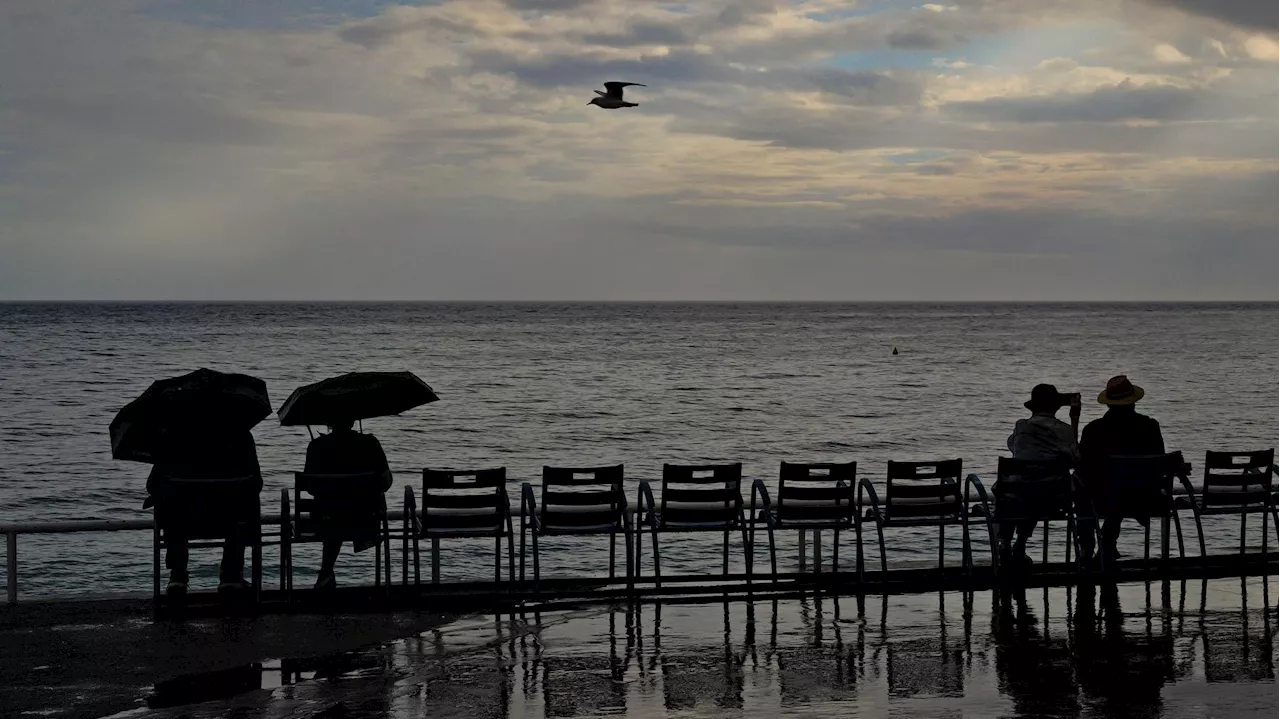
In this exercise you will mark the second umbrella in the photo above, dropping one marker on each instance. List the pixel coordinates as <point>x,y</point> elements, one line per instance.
<point>355,396</point>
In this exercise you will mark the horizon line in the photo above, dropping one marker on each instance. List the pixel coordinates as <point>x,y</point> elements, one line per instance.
<point>621,302</point>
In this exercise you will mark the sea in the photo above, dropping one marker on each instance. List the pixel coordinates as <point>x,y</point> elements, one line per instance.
<point>527,385</point>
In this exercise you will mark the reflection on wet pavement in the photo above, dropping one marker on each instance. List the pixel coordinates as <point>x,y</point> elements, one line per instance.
<point>1187,650</point>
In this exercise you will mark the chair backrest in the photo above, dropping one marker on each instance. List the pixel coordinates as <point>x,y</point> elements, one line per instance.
<point>582,497</point>
<point>923,490</point>
<point>1237,479</point>
<point>1042,481</point>
<point>817,492</point>
<point>701,494</point>
<point>1140,484</point>
<point>338,494</point>
<point>473,500</point>
<point>205,507</point>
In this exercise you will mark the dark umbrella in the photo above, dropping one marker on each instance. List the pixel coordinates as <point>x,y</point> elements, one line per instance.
<point>355,396</point>
<point>203,397</point>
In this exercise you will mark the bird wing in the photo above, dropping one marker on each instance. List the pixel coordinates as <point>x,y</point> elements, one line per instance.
<point>615,88</point>
<point>601,94</point>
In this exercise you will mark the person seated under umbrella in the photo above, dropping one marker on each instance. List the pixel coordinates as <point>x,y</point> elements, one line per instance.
<point>339,402</point>
<point>345,451</point>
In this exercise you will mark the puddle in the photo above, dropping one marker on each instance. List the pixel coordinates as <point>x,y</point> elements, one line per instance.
<point>1183,650</point>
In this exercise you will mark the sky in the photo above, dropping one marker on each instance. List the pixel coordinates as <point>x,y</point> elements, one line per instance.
<point>831,150</point>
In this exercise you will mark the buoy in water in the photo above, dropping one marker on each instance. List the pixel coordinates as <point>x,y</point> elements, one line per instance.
<point>895,350</point>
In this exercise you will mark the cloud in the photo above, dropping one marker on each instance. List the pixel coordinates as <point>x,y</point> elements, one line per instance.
<point>445,150</point>
<point>1255,14</point>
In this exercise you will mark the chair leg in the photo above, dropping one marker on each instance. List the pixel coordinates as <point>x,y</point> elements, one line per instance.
<point>884,561</point>
<point>725,560</point>
<point>633,561</point>
<point>257,568</point>
<point>1195,513</point>
<point>377,566</point>
<point>1243,525</point>
<point>404,554</point>
<point>773,553</point>
<point>435,560</point>
<point>613,553</point>
<point>639,552</point>
<point>522,554</point>
<point>155,566</point>
<point>537,564</point>
<point>835,551</point>
<point>417,565</point>
<point>860,566</point>
<point>511,554</point>
<point>1071,535</point>
<point>942,545</point>
<point>748,552</point>
<point>657,559</point>
<point>1177,525</point>
<point>1044,550</point>
<point>1265,532</point>
<point>497,561</point>
<point>966,549</point>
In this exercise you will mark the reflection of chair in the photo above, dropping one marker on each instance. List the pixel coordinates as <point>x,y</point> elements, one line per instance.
<point>337,507</point>
<point>584,685</point>
<point>1036,492</point>
<point>922,494</point>
<point>461,504</point>
<point>701,677</point>
<point>1233,650</point>
<point>925,666</point>
<point>203,510</point>
<point>810,497</point>
<point>824,669</point>
<point>1234,483</point>
<point>694,499</point>
<point>581,502</point>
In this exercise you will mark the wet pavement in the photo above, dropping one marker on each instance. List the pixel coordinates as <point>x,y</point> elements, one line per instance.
<point>1193,649</point>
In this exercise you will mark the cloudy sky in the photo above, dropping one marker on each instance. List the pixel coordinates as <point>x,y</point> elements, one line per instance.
<point>790,150</point>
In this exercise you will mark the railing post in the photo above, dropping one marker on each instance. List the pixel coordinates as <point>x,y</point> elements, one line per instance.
<point>11,565</point>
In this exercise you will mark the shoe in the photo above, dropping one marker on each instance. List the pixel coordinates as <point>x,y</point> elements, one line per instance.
<point>177,588</point>
<point>231,586</point>
<point>326,581</point>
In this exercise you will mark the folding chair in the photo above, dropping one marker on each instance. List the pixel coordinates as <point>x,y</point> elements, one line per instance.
<point>337,507</point>
<point>1141,487</point>
<point>576,501</point>
<point>695,498</point>
<point>208,510</point>
<point>1234,483</point>
<point>812,496</point>
<point>921,494</point>
<point>460,504</point>
<point>1040,491</point>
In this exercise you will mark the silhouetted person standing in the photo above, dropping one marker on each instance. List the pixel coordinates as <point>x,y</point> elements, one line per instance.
<point>1121,431</point>
<point>346,451</point>
<point>1042,436</point>
<point>204,452</point>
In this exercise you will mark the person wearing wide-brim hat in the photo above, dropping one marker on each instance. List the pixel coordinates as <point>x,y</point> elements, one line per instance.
<point>1121,431</point>
<point>1040,437</point>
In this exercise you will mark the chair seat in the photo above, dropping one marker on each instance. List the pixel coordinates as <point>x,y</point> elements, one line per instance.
<point>657,518</point>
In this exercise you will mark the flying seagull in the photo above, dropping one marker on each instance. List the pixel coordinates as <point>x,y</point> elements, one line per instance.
<point>612,99</point>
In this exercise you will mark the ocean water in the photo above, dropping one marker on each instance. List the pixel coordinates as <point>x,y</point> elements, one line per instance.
<point>523,385</point>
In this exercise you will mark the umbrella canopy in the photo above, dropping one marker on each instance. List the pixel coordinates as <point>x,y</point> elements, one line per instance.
<point>355,396</point>
<point>203,398</point>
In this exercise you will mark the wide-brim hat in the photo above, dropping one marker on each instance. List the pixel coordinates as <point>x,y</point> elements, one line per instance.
<point>1120,391</point>
<point>1046,397</point>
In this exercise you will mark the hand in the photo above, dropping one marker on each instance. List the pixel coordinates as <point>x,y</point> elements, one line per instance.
<point>1075,405</point>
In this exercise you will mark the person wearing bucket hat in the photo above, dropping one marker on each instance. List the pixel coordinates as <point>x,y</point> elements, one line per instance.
<point>1042,436</point>
<point>1121,431</point>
